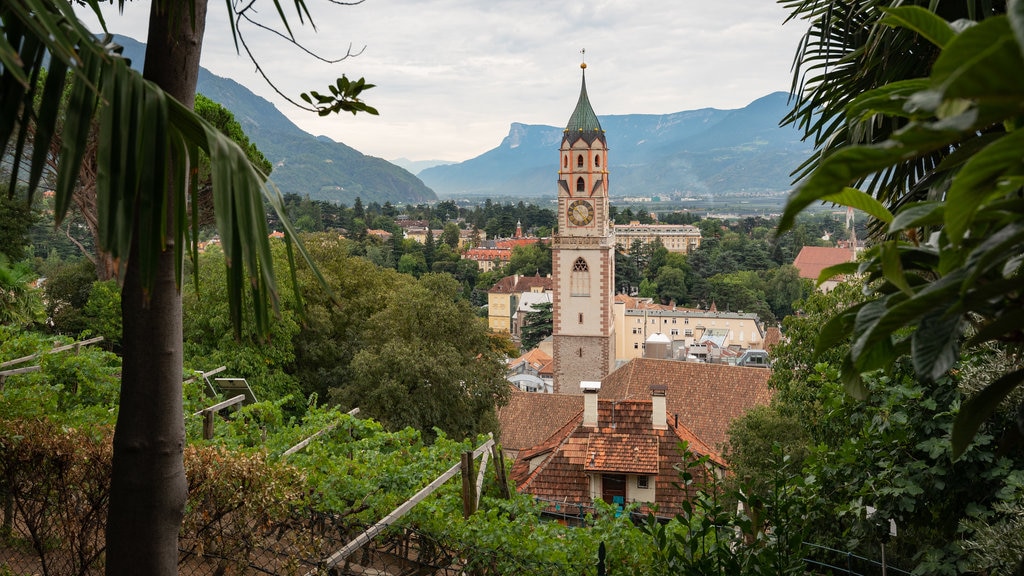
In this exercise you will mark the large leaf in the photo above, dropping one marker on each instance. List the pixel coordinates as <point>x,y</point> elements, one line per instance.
<point>976,182</point>
<point>979,407</point>
<point>924,22</point>
<point>935,345</point>
<point>975,63</point>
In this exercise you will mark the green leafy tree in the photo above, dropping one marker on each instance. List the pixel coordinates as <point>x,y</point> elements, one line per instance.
<point>671,284</point>
<point>530,260</point>
<point>537,325</point>
<point>142,192</point>
<point>450,235</point>
<point>944,271</point>
<point>16,219</point>
<point>20,304</point>
<point>428,362</point>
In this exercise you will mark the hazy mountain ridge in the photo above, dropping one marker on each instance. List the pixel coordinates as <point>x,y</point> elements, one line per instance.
<point>303,163</point>
<point>705,151</point>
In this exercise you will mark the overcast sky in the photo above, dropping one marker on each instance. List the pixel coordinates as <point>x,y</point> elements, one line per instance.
<point>452,75</point>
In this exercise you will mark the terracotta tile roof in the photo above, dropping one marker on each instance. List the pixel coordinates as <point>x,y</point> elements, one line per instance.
<point>536,358</point>
<point>813,259</point>
<point>633,303</point>
<point>772,336</point>
<point>706,397</point>
<point>624,442</point>
<point>530,418</point>
<point>616,452</point>
<point>517,284</point>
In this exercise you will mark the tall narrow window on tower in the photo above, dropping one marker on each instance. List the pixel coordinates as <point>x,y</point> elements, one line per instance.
<point>597,160</point>
<point>579,161</point>
<point>580,278</point>
<point>581,186</point>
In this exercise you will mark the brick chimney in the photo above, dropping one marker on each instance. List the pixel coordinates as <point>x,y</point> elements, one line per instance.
<point>590,390</point>
<point>659,410</point>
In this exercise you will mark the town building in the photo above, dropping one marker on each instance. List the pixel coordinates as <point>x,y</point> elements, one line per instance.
<point>583,254</point>
<point>618,451</point>
<point>681,238</point>
<point>491,254</point>
<point>532,372</point>
<point>705,397</point>
<point>503,299</point>
<point>639,319</point>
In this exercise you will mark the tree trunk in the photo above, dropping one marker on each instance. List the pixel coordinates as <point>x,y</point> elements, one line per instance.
<point>148,486</point>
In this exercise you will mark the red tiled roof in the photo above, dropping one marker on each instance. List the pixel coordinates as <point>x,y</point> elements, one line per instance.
<point>518,284</point>
<point>772,336</point>
<point>813,259</point>
<point>536,358</point>
<point>530,418</point>
<point>633,453</point>
<point>706,397</point>
<point>624,442</point>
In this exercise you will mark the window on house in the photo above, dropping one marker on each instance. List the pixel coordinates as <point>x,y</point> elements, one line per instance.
<point>581,318</point>
<point>643,482</point>
<point>636,345</point>
<point>580,278</point>
<point>675,332</point>
<point>686,320</point>
<point>688,332</point>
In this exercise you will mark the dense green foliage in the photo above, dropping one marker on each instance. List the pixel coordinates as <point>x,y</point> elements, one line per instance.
<point>890,451</point>
<point>406,351</point>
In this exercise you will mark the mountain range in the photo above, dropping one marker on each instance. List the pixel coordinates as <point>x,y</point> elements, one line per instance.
<point>706,152</point>
<point>303,163</point>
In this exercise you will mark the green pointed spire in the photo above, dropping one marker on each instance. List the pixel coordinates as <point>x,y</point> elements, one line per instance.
<point>583,123</point>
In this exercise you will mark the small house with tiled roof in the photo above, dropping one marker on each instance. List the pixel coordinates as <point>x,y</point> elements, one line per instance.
<point>532,372</point>
<point>706,398</point>
<point>503,298</point>
<point>813,259</point>
<point>618,451</point>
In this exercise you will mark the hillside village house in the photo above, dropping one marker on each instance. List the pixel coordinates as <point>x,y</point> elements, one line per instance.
<point>813,259</point>
<point>620,452</point>
<point>681,238</point>
<point>618,442</point>
<point>503,299</point>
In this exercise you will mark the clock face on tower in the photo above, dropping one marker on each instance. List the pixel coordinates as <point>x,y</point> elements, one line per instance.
<point>581,212</point>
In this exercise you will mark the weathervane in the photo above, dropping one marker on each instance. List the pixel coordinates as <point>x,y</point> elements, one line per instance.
<point>583,58</point>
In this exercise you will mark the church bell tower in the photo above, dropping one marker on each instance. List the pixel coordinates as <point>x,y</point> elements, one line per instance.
<point>583,254</point>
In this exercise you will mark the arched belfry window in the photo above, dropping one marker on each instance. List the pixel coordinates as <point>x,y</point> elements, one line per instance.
<point>597,160</point>
<point>580,278</point>
<point>579,161</point>
<point>581,186</point>
<point>565,162</point>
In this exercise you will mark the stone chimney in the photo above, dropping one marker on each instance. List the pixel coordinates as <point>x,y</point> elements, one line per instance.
<point>659,410</point>
<point>590,390</point>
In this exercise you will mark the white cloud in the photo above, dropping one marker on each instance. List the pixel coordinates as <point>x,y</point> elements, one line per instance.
<point>451,75</point>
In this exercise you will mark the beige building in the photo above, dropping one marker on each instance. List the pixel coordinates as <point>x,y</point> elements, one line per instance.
<point>638,319</point>
<point>503,299</point>
<point>681,238</point>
